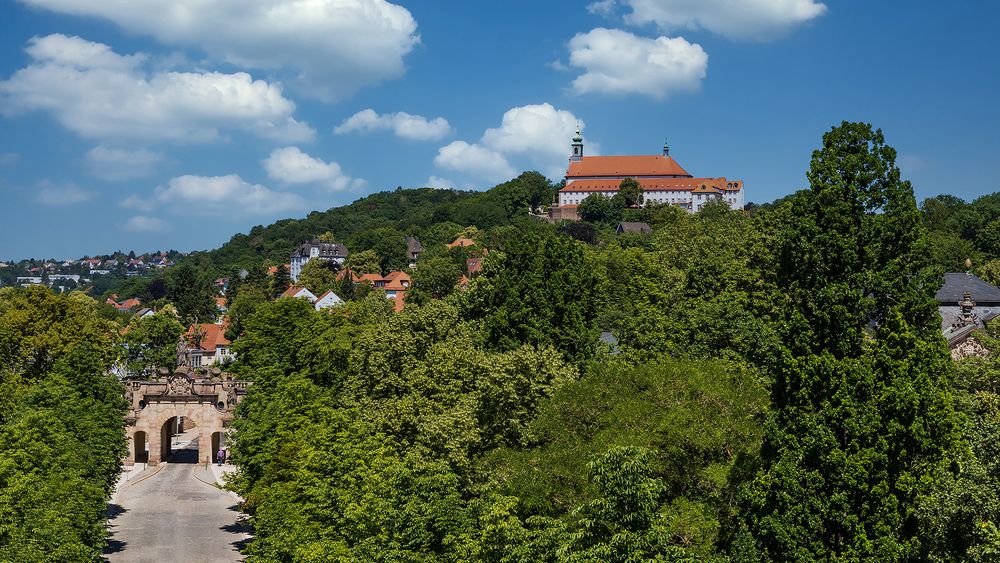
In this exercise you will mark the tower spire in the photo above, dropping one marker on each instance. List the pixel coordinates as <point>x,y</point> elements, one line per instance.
<point>577,145</point>
<point>666,148</point>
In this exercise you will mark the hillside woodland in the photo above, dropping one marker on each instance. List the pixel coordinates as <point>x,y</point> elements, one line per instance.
<point>768,385</point>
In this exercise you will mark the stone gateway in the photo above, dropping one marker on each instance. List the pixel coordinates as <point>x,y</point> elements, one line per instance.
<point>186,399</point>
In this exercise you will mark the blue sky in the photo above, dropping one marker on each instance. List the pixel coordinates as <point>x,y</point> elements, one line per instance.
<point>157,124</point>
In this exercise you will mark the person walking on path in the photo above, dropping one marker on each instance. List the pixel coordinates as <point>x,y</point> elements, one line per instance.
<point>220,456</point>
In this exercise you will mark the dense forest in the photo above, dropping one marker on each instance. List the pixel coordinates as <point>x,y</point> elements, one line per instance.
<point>771,384</point>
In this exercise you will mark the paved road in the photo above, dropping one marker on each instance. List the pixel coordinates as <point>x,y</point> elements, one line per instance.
<point>170,515</point>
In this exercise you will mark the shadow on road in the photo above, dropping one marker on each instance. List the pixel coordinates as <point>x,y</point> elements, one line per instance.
<point>242,527</point>
<point>187,454</point>
<point>112,545</point>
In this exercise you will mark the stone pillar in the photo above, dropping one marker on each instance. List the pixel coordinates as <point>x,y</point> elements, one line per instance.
<point>154,437</point>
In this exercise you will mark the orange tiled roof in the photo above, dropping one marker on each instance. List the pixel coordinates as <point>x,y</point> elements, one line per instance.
<point>129,303</point>
<point>373,278</point>
<point>221,302</point>
<point>461,241</point>
<point>398,275</point>
<point>397,302</point>
<point>474,265</point>
<point>393,285</point>
<point>632,166</point>
<point>213,336</point>
<point>656,184</point>
<point>343,274</point>
<point>292,291</point>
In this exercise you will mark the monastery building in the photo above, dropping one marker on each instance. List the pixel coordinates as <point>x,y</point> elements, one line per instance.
<point>663,180</point>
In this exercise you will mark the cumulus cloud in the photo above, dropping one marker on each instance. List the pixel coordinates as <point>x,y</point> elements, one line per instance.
<point>330,48</point>
<point>617,62</point>
<point>475,160</point>
<point>61,195</point>
<point>223,196</point>
<point>415,127</point>
<point>97,93</point>
<point>144,224</point>
<point>438,182</point>
<point>536,135</point>
<point>290,165</point>
<point>736,19</point>
<point>121,164</point>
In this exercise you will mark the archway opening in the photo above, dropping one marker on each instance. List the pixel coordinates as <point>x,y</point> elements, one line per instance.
<point>179,440</point>
<point>219,443</point>
<point>139,445</point>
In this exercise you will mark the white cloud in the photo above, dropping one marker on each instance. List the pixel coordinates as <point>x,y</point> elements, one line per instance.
<point>407,126</point>
<point>536,135</point>
<point>121,164</point>
<point>618,62</point>
<point>736,19</point>
<point>62,194</point>
<point>100,94</point>
<point>442,183</point>
<point>144,224</point>
<point>223,196</point>
<point>539,130</point>
<point>476,160</point>
<point>290,165</point>
<point>604,8</point>
<point>329,47</point>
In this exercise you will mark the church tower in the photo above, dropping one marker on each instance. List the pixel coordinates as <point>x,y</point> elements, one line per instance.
<point>577,146</point>
<point>666,148</point>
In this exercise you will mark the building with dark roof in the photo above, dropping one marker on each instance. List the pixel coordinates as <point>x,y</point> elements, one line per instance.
<point>413,250</point>
<point>633,227</point>
<point>966,303</point>
<point>330,251</point>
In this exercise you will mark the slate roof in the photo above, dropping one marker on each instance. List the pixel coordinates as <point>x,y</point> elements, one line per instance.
<point>957,283</point>
<point>630,227</point>
<point>326,249</point>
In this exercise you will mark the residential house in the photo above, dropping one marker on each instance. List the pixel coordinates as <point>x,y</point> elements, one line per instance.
<point>299,292</point>
<point>413,250</point>
<point>145,312</point>
<point>328,300</point>
<point>631,227</point>
<point>205,345</point>
<point>473,265</point>
<point>315,249</point>
<point>461,242</point>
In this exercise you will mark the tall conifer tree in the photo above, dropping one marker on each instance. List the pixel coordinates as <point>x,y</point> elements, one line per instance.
<point>862,418</point>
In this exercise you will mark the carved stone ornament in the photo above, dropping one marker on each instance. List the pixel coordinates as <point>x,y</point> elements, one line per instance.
<point>179,385</point>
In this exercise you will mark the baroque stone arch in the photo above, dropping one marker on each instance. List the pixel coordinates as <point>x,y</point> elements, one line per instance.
<point>206,398</point>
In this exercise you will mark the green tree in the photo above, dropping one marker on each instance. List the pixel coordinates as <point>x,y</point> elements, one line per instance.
<point>191,292</point>
<point>280,281</point>
<point>539,290</point>
<point>863,421</point>
<point>242,306</point>
<point>364,262</point>
<point>630,191</point>
<point>597,208</point>
<point>318,276</point>
<point>151,343</point>
<point>433,278</point>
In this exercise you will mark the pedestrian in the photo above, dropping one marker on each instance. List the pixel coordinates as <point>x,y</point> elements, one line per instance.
<point>221,455</point>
